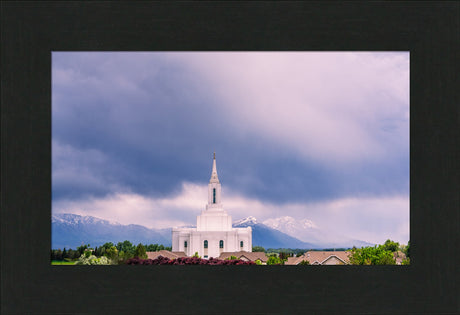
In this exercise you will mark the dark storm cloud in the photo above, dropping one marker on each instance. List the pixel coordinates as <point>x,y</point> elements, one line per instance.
<point>323,136</point>
<point>156,122</point>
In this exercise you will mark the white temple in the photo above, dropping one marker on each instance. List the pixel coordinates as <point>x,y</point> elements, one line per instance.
<point>213,233</point>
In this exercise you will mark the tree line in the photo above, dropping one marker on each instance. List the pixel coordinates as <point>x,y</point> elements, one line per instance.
<point>109,253</point>
<point>115,253</point>
<point>380,254</point>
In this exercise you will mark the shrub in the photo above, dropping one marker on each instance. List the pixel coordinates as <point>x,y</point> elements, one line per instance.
<point>186,261</point>
<point>377,255</point>
<point>231,258</point>
<point>405,261</point>
<point>274,260</point>
<point>93,260</point>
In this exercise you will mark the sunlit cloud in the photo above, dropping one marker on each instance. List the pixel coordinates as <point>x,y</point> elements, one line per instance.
<point>373,220</point>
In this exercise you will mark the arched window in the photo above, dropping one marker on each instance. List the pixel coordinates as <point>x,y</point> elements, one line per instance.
<point>206,244</point>
<point>241,244</point>
<point>185,243</point>
<point>213,195</point>
<point>221,244</point>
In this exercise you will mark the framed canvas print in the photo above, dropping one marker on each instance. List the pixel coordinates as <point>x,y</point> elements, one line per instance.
<point>279,139</point>
<point>313,151</point>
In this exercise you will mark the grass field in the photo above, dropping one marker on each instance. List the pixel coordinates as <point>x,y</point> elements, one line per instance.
<point>62,262</point>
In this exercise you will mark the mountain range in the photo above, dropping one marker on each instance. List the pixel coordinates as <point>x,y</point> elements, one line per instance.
<point>72,230</point>
<point>306,230</point>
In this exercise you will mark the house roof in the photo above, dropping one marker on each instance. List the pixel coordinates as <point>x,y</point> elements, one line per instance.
<point>294,260</point>
<point>165,253</point>
<point>253,256</point>
<point>318,257</point>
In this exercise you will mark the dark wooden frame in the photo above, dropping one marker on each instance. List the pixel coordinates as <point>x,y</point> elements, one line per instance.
<point>31,30</point>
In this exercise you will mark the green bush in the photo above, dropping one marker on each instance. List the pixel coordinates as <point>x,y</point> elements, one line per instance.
<point>275,260</point>
<point>377,255</point>
<point>406,261</point>
<point>258,249</point>
<point>140,252</point>
<point>111,253</point>
<point>93,260</point>
<point>231,258</point>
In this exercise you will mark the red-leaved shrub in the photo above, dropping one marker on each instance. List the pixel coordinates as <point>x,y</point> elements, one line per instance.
<point>187,261</point>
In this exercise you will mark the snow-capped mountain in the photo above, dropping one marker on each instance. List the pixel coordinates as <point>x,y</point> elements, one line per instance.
<point>307,231</point>
<point>74,219</point>
<point>289,223</point>
<point>267,237</point>
<point>249,221</point>
<point>72,230</point>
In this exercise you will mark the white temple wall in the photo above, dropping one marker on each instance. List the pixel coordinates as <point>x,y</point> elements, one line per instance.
<point>213,225</point>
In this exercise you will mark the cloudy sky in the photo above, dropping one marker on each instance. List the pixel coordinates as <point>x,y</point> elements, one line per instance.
<point>322,136</point>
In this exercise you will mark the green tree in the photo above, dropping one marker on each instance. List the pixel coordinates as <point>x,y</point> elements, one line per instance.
<point>73,254</point>
<point>127,247</point>
<point>81,249</point>
<point>140,251</point>
<point>391,246</point>
<point>56,254</point>
<point>274,260</point>
<point>284,256</point>
<point>151,247</point>
<point>123,256</point>
<point>304,262</point>
<point>299,252</point>
<point>405,261</point>
<point>377,255</point>
<point>258,249</point>
<point>107,245</point>
<point>407,250</point>
<point>112,253</point>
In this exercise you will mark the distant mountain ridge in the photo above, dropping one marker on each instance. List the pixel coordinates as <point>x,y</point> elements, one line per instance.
<point>307,230</point>
<point>72,230</point>
<point>268,237</point>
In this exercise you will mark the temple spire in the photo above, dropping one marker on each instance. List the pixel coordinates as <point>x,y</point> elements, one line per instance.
<point>214,178</point>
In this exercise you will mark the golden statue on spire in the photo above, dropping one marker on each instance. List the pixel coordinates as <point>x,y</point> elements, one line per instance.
<point>214,155</point>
